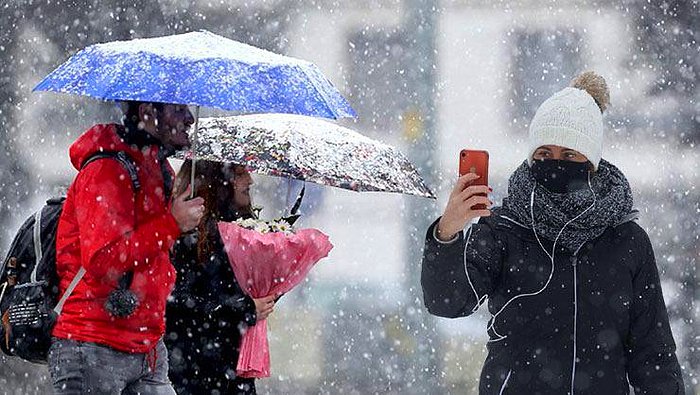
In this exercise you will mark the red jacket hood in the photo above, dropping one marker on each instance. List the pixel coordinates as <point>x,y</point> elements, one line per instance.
<point>98,138</point>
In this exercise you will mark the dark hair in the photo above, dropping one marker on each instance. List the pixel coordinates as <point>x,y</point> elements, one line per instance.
<point>131,113</point>
<point>212,183</point>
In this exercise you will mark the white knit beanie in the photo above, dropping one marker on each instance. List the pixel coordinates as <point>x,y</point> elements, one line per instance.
<point>572,118</point>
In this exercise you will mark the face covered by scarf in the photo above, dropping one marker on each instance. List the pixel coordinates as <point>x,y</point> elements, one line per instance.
<point>560,176</point>
<point>609,190</point>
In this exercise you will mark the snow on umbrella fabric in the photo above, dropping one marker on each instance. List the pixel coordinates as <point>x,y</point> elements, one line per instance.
<point>309,149</point>
<point>268,264</point>
<point>202,69</point>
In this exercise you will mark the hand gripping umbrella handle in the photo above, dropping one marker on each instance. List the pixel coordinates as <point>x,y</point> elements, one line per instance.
<point>194,150</point>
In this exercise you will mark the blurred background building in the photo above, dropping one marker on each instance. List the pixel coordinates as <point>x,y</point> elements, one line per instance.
<point>430,77</point>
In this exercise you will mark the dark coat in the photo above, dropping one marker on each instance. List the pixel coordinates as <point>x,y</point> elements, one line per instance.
<point>602,307</point>
<point>204,319</point>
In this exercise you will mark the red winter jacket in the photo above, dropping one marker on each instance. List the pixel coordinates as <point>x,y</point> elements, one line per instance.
<point>105,231</point>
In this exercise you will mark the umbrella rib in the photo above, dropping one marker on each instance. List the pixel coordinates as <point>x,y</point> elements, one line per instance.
<point>320,92</point>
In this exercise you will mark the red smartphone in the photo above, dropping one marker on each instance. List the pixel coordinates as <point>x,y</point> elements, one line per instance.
<point>475,161</point>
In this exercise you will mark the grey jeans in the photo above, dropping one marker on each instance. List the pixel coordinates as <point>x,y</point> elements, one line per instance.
<point>89,368</point>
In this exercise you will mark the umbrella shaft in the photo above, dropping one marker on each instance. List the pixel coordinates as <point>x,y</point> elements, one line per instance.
<point>194,150</point>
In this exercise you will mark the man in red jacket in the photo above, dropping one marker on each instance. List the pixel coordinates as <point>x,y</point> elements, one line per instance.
<point>111,230</point>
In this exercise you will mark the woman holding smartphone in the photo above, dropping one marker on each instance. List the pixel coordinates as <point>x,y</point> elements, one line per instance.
<point>208,311</point>
<point>571,280</point>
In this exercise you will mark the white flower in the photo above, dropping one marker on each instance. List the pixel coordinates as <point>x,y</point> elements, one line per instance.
<point>258,225</point>
<point>281,226</point>
<point>261,227</point>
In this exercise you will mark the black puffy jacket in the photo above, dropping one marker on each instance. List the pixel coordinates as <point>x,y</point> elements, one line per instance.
<point>593,322</point>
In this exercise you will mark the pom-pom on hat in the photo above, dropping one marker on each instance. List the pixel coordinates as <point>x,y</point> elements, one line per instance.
<point>573,118</point>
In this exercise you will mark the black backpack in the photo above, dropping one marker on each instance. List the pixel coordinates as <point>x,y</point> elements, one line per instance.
<point>29,304</point>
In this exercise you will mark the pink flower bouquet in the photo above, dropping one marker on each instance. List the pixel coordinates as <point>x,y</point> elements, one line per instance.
<point>268,261</point>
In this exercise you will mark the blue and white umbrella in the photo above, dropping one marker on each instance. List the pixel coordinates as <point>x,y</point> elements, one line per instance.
<point>200,69</point>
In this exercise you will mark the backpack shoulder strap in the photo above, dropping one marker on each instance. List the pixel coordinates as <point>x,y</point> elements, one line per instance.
<point>122,157</point>
<point>74,283</point>
<point>38,254</point>
<point>36,235</point>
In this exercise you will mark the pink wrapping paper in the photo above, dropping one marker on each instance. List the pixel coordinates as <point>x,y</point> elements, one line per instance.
<point>268,264</point>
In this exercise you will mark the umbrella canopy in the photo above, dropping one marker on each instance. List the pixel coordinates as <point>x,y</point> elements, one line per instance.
<point>309,149</point>
<point>202,69</point>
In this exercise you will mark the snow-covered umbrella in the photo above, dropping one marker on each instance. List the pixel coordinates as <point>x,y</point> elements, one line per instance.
<point>309,149</point>
<point>199,69</point>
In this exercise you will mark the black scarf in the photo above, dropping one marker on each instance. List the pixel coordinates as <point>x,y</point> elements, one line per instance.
<point>613,202</point>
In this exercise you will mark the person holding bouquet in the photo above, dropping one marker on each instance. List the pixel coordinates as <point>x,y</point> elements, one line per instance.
<point>208,311</point>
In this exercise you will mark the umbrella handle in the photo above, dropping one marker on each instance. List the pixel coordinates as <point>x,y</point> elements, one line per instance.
<point>293,216</point>
<point>194,150</point>
<point>297,203</point>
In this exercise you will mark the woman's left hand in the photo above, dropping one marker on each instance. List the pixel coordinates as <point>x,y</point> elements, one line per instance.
<point>264,306</point>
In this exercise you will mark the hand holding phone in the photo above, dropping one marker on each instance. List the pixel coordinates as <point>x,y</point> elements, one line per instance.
<point>477,162</point>
<point>468,199</point>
